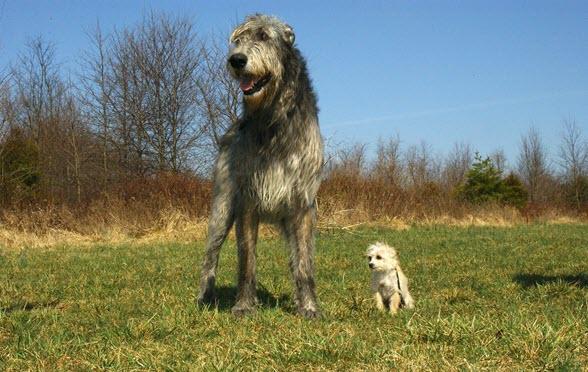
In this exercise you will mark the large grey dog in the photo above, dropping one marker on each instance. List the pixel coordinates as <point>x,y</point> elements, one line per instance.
<point>269,165</point>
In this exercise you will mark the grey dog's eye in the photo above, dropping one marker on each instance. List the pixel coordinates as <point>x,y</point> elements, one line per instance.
<point>262,35</point>
<point>379,257</point>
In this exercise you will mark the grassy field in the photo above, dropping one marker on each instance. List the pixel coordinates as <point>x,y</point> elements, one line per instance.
<point>487,298</point>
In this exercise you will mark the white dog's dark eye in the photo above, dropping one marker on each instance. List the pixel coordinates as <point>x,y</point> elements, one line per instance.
<point>379,257</point>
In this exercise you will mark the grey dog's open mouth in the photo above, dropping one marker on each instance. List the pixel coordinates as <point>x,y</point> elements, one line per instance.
<point>250,85</point>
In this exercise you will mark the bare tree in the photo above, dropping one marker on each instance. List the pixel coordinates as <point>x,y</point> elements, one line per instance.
<point>499,160</point>
<point>349,160</point>
<point>573,158</point>
<point>6,105</point>
<point>39,86</point>
<point>127,105</point>
<point>420,165</point>
<point>168,55</point>
<point>218,94</point>
<point>96,95</point>
<point>457,163</point>
<point>143,96</point>
<point>45,120</point>
<point>6,118</point>
<point>4,77</point>
<point>40,96</point>
<point>74,129</point>
<point>532,165</point>
<point>388,165</point>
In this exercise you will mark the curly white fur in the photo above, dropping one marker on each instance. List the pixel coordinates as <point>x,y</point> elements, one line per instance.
<point>389,284</point>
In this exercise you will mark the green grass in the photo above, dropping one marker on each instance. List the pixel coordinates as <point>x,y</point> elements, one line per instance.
<point>486,298</point>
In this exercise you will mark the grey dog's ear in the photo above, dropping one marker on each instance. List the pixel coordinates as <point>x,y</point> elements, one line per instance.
<point>289,35</point>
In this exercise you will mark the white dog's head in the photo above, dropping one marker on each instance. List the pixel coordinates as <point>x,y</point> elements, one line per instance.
<point>381,257</point>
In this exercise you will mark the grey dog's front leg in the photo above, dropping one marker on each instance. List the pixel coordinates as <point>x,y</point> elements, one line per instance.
<point>220,222</point>
<point>247,222</point>
<point>219,225</point>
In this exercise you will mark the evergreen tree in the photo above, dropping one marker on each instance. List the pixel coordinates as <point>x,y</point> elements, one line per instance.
<point>484,183</point>
<point>513,191</point>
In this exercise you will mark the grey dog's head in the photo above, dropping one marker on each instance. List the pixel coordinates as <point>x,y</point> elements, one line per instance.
<point>259,47</point>
<point>381,257</point>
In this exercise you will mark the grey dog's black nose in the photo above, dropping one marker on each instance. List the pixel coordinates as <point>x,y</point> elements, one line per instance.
<point>238,60</point>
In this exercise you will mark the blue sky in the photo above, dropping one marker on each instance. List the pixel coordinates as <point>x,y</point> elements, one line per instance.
<point>434,71</point>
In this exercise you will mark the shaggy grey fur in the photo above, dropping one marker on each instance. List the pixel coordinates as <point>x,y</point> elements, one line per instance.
<point>269,165</point>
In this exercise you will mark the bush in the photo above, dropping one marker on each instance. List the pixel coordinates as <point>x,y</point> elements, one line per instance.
<point>19,168</point>
<point>484,184</point>
<point>513,191</point>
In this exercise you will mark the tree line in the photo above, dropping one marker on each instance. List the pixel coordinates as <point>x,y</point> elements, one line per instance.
<point>148,99</point>
<point>416,175</point>
<point>147,106</point>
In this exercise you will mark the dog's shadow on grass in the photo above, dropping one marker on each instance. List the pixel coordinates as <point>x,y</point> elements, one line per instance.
<point>225,296</point>
<point>533,280</point>
<point>29,306</point>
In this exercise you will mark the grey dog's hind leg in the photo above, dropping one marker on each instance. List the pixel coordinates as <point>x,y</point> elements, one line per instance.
<point>299,233</point>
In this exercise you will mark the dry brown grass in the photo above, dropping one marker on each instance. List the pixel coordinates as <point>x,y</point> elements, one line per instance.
<point>179,226</point>
<point>51,228</point>
<point>172,208</point>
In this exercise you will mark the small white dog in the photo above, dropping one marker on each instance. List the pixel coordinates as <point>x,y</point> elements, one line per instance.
<point>389,284</point>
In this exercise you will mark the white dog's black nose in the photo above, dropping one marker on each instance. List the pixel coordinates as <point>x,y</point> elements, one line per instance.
<point>371,265</point>
<point>238,60</point>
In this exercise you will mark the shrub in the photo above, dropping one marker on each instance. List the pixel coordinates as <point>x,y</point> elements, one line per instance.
<point>19,167</point>
<point>484,184</point>
<point>513,191</point>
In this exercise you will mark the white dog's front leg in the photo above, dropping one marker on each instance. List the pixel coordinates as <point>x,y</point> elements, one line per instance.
<point>379,301</point>
<point>394,303</point>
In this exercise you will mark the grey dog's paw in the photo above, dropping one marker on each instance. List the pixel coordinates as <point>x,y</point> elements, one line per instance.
<point>202,302</point>
<point>309,313</point>
<point>240,310</point>
<point>206,298</point>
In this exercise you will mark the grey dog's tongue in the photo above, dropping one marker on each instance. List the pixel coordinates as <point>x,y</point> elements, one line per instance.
<point>247,84</point>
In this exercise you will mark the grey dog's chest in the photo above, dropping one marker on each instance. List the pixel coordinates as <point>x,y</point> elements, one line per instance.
<point>275,177</point>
